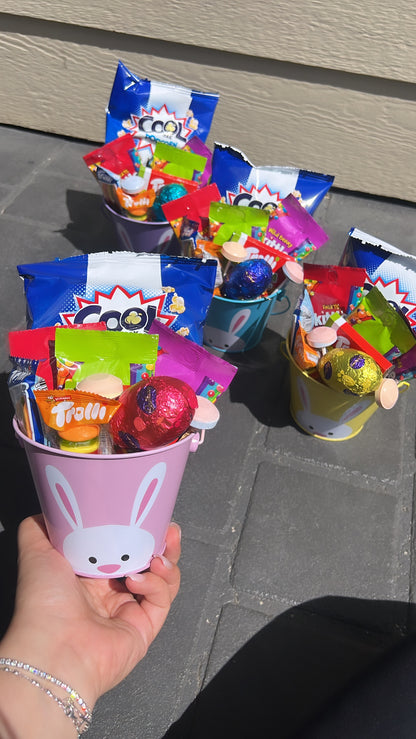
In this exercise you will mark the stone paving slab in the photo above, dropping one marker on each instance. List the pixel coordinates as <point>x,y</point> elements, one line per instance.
<point>325,536</point>
<point>298,554</point>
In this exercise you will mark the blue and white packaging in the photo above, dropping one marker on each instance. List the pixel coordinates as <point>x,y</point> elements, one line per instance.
<point>157,111</point>
<point>391,270</point>
<point>242,183</point>
<point>125,290</point>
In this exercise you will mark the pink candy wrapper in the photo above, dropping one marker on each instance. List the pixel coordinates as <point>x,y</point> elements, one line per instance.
<point>207,374</point>
<point>291,226</point>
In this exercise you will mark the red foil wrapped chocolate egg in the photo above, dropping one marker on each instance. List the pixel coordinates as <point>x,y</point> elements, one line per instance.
<point>153,413</point>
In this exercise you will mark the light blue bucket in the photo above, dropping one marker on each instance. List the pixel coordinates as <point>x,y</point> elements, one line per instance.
<point>238,325</point>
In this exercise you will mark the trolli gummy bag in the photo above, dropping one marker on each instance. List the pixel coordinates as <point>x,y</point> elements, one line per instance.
<point>157,111</point>
<point>242,183</point>
<point>125,290</point>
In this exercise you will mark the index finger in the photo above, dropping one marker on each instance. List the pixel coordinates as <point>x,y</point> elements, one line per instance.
<point>173,543</point>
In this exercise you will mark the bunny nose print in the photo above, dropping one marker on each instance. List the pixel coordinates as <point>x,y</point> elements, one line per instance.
<point>108,569</point>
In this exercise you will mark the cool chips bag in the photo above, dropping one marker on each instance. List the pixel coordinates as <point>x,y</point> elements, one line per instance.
<point>124,290</point>
<point>242,183</point>
<point>391,270</point>
<point>157,111</point>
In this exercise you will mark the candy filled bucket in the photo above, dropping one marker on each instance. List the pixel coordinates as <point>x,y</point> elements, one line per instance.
<point>141,236</point>
<point>323,412</point>
<point>108,514</point>
<point>238,325</point>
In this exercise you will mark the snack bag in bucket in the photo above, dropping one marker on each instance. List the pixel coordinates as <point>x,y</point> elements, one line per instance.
<point>154,111</point>
<point>124,290</point>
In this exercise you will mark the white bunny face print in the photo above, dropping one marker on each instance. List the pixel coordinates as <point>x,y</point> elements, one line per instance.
<point>324,421</point>
<point>110,550</point>
<point>229,338</point>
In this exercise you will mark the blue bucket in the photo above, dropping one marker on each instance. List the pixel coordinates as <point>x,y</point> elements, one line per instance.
<point>238,325</point>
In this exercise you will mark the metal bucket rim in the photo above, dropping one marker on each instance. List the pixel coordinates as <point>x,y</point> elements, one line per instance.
<point>244,302</point>
<point>190,439</point>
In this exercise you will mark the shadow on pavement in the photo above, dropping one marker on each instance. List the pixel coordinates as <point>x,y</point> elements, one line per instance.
<point>262,381</point>
<point>293,668</point>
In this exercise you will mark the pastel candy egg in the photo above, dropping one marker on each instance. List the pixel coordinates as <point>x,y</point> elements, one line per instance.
<point>350,371</point>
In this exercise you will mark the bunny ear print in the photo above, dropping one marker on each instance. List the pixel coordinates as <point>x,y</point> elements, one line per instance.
<point>64,496</point>
<point>238,320</point>
<point>356,409</point>
<point>155,475</point>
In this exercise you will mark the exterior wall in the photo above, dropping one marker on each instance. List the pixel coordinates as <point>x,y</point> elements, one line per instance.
<point>329,87</point>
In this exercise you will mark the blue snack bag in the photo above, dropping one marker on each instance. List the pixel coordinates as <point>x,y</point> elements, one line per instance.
<point>157,111</point>
<point>22,381</point>
<point>388,268</point>
<point>241,183</point>
<point>125,290</point>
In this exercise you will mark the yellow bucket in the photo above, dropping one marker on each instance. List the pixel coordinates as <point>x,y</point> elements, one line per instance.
<point>323,412</point>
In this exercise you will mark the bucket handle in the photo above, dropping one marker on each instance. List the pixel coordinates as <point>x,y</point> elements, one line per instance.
<point>197,440</point>
<point>403,385</point>
<point>279,298</point>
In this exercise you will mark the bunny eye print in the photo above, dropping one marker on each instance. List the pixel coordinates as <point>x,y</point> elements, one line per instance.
<point>110,550</point>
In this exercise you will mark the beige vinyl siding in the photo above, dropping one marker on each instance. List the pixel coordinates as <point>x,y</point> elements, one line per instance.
<point>329,87</point>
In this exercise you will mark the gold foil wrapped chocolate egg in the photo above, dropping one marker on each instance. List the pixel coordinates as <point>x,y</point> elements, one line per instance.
<point>350,371</point>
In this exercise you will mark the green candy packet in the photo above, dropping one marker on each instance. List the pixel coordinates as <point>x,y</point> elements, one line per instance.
<point>226,220</point>
<point>129,356</point>
<point>180,162</point>
<point>384,327</point>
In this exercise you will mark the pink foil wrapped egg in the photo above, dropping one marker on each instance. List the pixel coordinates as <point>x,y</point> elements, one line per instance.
<point>153,413</point>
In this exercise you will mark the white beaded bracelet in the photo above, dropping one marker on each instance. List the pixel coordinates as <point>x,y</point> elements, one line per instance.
<point>74,707</point>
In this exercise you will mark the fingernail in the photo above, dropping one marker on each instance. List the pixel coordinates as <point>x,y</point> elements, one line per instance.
<point>137,576</point>
<point>165,561</point>
<point>176,525</point>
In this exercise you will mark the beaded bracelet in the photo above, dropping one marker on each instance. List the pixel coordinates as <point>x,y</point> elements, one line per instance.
<point>80,714</point>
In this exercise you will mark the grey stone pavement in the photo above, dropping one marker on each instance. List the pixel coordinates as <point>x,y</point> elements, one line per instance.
<point>298,564</point>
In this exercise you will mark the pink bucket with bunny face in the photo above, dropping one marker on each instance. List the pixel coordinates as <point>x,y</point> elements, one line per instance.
<point>108,514</point>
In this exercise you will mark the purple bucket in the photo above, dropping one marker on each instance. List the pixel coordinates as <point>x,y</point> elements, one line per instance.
<point>141,236</point>
<point>108,514</point>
